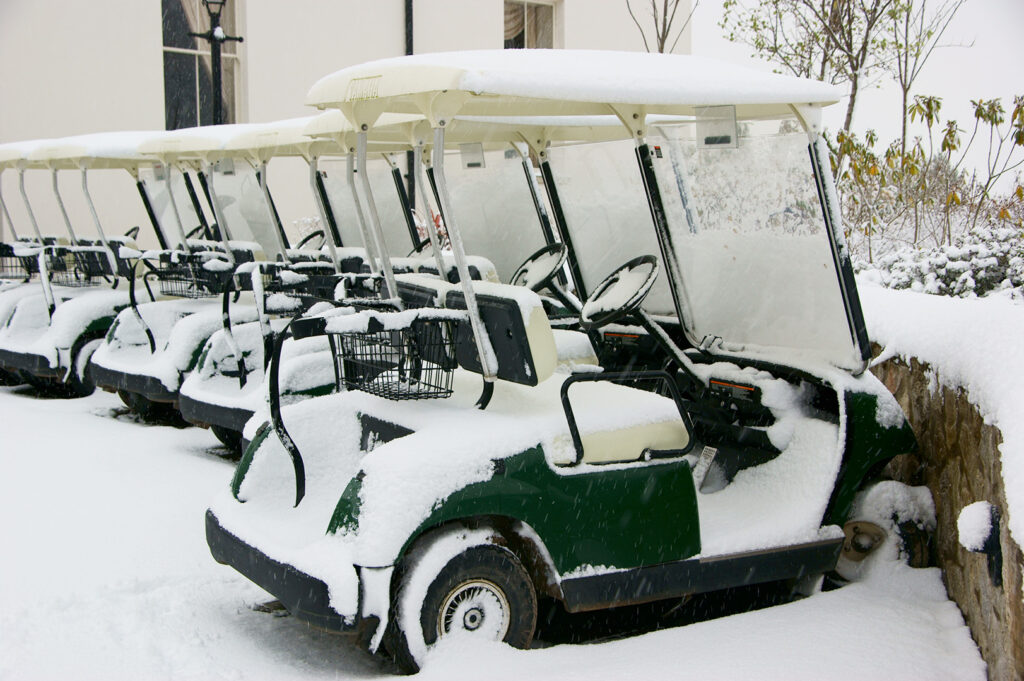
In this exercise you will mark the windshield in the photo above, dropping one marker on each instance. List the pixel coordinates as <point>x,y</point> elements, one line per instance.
<point>237,188</point>
<point>749,234</point>
<point>606,213</point>
<point>385,197</point>
<point>156,189</point>
<point>494,209</point>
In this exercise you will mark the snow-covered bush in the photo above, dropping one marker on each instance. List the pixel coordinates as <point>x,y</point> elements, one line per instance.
<point>986,259</point>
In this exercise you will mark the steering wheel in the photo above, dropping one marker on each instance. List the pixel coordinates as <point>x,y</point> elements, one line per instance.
<point>620,293</point>
<point>133,233</point>
<point>541,267</point>
<point>194,232</point>
<point>313,235</point>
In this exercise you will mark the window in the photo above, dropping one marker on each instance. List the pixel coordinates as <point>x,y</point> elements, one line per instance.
<point>529,25</point>
<point>188,68</point>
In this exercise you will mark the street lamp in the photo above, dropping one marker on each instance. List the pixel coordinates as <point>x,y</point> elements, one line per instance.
<point>216,36</point>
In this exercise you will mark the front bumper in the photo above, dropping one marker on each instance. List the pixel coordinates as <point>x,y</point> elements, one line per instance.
<point>149,387</point>
<point>305,596</point>
<point>206,414</point>
<point>31,363</point>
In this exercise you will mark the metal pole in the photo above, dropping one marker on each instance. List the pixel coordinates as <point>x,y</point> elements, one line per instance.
<point>60,204</point>
<point>368,243</point>
<point>28,206</point>
<point>488,360</point>
<point>3,207</point>
<point>218,113</point>
<point>435,241</point>
<point>375,228</point>
<point>326,217</point>
<point>96,220</point>
<point>174,209</point>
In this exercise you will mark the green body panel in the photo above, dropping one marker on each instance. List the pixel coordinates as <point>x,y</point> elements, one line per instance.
<point>98,327</point>
<point>868,445</point>
<point>243,465</point>
<point>628,516</point>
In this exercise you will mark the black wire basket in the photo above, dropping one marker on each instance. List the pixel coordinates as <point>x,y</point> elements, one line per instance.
<point>15,266</point>
<point>183,275</point>
<point>78,268</point>
<point>411,363</point>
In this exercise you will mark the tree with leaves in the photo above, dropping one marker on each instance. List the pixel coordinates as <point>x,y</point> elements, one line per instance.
<point>663,20</point>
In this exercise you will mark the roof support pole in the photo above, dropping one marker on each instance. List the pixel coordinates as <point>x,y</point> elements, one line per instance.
<point>378,235</point>
<point>63,210</point>
<point>96,221</point>
<point>6,216</point>
<point>169,182</point>
<point>488,360</point>
<point>28,205</point>
<point>368,241</point>
<point>435,241</point>
<point>563,229</point>
<point>218,213</point>
<point>326,214</point>
<point>278,229</point>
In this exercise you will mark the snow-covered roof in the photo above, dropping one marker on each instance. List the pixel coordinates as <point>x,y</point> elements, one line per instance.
<point>264,141</point>
<point>203,142</point>
<point>559,82</point>
<point>100,150</point>
<point>13,154</point>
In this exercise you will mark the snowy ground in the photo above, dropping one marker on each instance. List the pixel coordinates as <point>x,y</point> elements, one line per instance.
<point>105,575</point>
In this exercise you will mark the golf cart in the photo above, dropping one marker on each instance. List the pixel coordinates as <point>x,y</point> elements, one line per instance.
<point>49,337</point>
<point>224,394</point>
<point>153,346</point>
<point>461,478</point>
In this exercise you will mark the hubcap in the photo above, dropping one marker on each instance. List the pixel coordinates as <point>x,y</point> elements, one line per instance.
<point>478,607</point>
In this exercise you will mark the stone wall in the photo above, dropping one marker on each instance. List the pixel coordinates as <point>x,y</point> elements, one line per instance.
<point>958,460</point>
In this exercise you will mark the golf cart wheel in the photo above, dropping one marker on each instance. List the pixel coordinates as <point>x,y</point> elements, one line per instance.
<point>231,439</point>
<point>145,408</point>
<point>483,593</point>
<point>9,378</point>
<point>79,383</point>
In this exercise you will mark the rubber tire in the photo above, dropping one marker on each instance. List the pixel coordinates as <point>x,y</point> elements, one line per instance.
<point>493,563</point>
<point>231,439</point>
<point>10,378</point>
<point>81,353</point>
<point>145,408</point>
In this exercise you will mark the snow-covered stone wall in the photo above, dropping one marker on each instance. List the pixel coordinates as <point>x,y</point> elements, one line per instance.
<point>959,460</point>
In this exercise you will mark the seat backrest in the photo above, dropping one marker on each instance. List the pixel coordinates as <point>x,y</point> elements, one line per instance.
<point>517,327</point>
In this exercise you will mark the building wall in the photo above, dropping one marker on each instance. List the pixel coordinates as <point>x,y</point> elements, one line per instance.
<point>98,66</point>
<point>71,68</point>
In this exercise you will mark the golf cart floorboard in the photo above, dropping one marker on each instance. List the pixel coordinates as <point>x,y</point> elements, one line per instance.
<point>148,386</point>
<point>37,365</point>
<point>305,596</point>
<point>205,414</point>
<point>699,575</point>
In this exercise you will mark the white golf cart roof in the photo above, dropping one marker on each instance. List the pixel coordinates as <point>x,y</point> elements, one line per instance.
<point>16,154</point>
<point>100,150</point>
<point>264,141</point>
<point>559,82</point>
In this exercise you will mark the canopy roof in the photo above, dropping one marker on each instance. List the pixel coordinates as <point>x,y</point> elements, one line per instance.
<point>264,141</point>
<point>14,154</point>
<point>559,82</point>
<point>100,150</point>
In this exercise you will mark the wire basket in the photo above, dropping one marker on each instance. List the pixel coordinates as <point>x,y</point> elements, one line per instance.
<point>411,363</point>
<point>14,266</point>
<point>77,268</point>
<point>183,275</point>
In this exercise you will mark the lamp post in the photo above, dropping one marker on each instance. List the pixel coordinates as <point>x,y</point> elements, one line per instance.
<point>216,36</point>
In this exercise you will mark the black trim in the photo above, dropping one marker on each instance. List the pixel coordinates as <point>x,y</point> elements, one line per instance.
<point>661,227</point>
<point>196,207</point>
<point>37,365</point>
<point>305,596</point>
<point>403,201</point>
<point>563,229</point>
<point>332,222</point>
<point>844,267</point>
<point>206,414</point>
<point>152,214</point>
<point>149,387</point>
<point>699,575</point>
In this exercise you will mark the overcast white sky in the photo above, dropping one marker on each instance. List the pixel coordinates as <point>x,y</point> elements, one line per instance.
<point>992,67</point>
